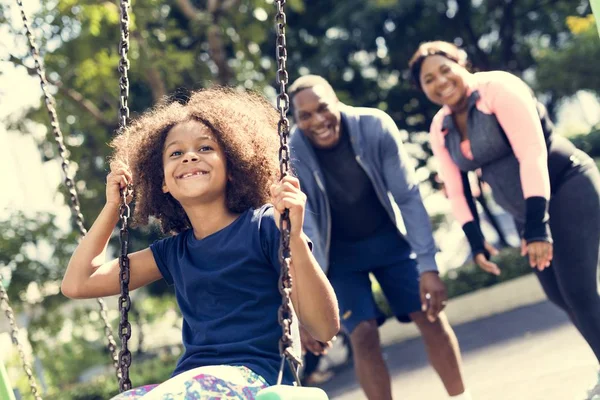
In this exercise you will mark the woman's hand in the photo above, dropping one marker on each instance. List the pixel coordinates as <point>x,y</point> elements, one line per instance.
<point>287,194</point>
<point>540,253</point>
<point>484,263</point>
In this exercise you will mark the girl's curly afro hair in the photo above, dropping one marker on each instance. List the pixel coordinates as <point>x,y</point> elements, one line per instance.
<point>244,124</point>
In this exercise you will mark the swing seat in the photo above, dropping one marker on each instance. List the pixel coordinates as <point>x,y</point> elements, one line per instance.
<point>287,392</point>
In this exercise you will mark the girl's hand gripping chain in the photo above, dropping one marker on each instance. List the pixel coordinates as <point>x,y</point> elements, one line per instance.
<point>287,194</point>
<point>117,180</point>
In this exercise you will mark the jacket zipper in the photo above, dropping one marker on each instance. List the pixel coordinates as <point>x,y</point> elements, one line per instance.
<point>328,211</point>
<point>392,217</point>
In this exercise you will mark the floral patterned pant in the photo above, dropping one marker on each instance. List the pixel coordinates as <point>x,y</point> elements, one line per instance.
<point>220,382</point>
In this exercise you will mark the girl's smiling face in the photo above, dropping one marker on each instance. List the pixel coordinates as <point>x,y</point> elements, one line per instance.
<point>194,164</point>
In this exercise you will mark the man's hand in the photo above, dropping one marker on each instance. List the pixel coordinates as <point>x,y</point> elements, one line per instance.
<point>433,295</point>
<point>540,254</point>
<point>311,344</point>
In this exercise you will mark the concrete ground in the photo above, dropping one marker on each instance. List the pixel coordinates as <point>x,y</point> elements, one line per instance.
<point>528,353</point>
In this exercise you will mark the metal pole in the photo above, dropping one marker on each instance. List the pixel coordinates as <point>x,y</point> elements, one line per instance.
<point>596,10</point>
<point>6,391</point>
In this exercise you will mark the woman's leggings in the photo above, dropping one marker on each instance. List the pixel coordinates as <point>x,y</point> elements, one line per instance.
<point>572,280</point>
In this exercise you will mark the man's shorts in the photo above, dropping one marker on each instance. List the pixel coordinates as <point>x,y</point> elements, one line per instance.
<point>388,257</point>
<point>399,283</point>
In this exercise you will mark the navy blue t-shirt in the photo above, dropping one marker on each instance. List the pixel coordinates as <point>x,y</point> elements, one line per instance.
<point>226,286</point>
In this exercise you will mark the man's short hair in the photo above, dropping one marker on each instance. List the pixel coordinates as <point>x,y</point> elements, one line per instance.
<point>308,82</point>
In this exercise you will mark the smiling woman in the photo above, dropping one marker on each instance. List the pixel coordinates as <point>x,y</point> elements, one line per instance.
<point>492,122</point>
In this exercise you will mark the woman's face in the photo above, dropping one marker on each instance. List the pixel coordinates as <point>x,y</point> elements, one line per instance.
<point>443,80</point>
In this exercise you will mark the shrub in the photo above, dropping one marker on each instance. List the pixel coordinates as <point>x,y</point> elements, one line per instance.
<point>154,370</point>
<point>470,277</point>
<point>590,143</point>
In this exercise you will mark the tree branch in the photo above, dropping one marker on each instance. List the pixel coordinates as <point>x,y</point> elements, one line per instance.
<point>212,6</point>
<point>85,104</point>
<point>157,84</point>
<point>229,4</point>
<point>539,5</point>
<point>464,9</point>
<point>216,49</point>
<point>507,34</point>
<point>191,12</point>
<point>74,95</point>
<point>214,34</point>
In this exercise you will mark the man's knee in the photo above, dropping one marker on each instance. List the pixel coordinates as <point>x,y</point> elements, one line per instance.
<point>439,329</point>
<point>365,337</point>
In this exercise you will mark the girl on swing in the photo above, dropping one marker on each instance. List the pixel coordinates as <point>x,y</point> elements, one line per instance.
<point>206,171</point>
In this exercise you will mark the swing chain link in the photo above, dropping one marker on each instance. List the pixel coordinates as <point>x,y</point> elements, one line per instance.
<point>124,210</point>
<point>58,136</point>
<point>285,314</point>
<point>14,331</point>
<point>124,65</point>
<point>283,100</point>
<point>68,180</point>
<point>124,299</point>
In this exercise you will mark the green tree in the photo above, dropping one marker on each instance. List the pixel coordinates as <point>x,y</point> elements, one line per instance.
<point>363,47</point>
<point>34,251</point>
<point>174,47</point>
<point>578,56</point>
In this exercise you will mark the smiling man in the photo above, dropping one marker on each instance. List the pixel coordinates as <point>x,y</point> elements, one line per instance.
<point>355,172</point>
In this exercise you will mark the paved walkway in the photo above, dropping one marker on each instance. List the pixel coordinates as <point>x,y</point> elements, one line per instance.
<point>529,353</point>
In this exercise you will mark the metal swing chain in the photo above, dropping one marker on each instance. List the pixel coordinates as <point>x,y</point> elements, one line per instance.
<point>124,210</point>
<point>68,180</point>
<point>14,333</point>
<point>124,299</point>
<point>285,314</point>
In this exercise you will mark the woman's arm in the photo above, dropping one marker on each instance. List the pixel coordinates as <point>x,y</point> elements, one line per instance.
<point>456,186</point>
<point>513,104</point>
<point>449,174</point>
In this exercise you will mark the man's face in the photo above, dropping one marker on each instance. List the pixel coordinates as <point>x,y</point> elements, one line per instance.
<point>317,114</point>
